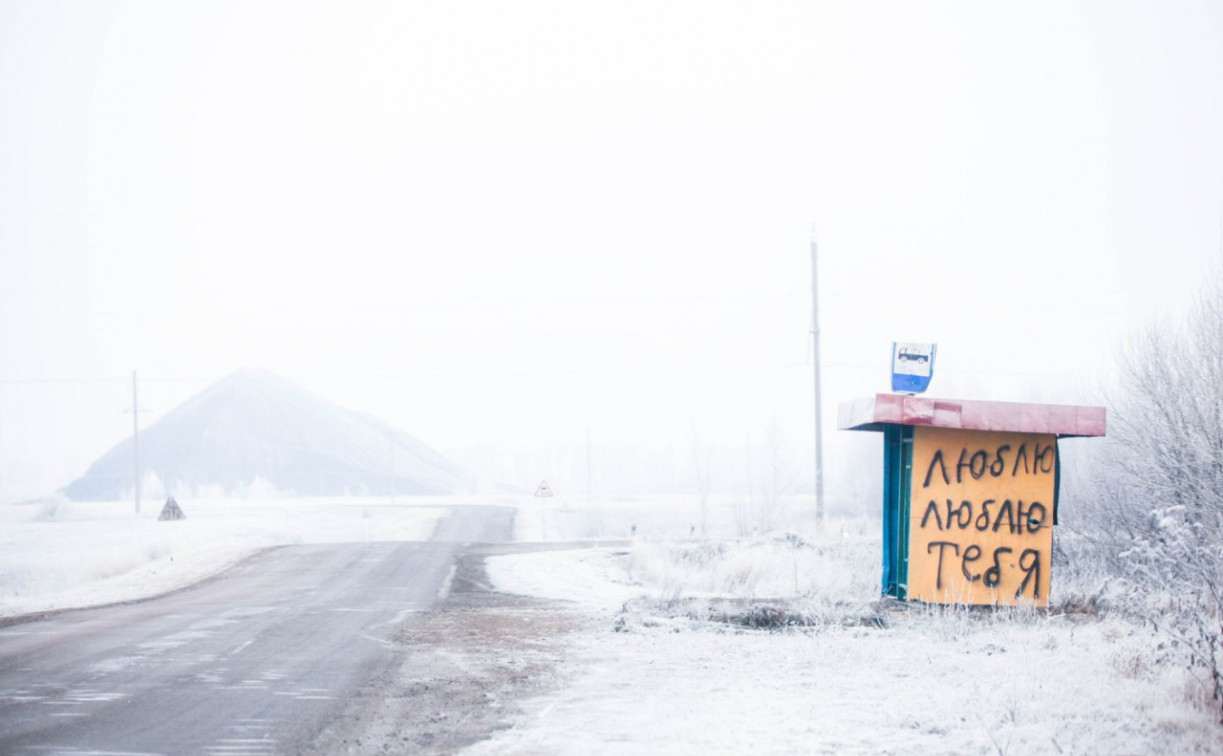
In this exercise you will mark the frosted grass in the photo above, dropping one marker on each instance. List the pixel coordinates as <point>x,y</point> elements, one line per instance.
<point>658,669</point>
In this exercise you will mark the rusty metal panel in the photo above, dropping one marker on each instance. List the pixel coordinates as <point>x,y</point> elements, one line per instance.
<point>872,413</point>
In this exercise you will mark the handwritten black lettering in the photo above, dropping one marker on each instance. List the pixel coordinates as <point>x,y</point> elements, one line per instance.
<point>955,519</point>
<point>976,464</point>
<point>981,457</point>
<point>982,522</point>
<point>1021,456</point>
<point>1007,509</point>
<point>1042,456</point>
<point>1031,569</point>
<point>962,514</point>
<point>998,466</point>
<point>1034,516</point>
<point>932,507</point>
<point>938,457</point>
<point>942,547</point>
<point>993,575</point>
<point>971,554</point>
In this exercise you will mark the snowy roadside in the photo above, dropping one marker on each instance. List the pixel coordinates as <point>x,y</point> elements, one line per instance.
<point>929,681</point>
<point>61,555</point>
<point>87,554</point>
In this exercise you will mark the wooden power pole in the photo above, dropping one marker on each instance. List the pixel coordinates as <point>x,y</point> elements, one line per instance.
<point>135,442</point>
<point>819,428</point>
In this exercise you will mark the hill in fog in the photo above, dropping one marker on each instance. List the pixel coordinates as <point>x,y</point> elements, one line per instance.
<point>255,425</point>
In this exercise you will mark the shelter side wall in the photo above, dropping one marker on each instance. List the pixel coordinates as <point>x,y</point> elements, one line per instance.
<point>981,516</point>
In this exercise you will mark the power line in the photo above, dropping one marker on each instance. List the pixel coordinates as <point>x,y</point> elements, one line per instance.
<point>880,366</point>
<point>473,302</point>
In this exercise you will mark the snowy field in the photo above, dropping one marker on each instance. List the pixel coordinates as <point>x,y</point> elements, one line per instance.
<point>665,664</point>
<point>57,554</point>
<point>648,678</point>
<point>63,555</point>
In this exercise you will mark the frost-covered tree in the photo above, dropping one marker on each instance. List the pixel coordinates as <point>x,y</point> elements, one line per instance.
<point>1170,417</point>
<point>1158,518</point>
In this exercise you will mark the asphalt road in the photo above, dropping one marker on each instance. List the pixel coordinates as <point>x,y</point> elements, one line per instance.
<point>258,660</point>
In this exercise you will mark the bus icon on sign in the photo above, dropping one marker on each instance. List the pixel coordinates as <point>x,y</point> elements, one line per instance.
<point>912,366</point>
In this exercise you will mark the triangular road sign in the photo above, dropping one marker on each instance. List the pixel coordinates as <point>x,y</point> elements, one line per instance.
<point>543,489</point>
<point>171,511</point>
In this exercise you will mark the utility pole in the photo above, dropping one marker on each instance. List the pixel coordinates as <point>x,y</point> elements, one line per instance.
<point>391,474</point>
<point>136,442</point>
<point>587,465</point>
<point>819,428</point>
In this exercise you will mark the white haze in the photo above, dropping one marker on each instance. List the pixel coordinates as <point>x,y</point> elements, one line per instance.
<point>513,229</point>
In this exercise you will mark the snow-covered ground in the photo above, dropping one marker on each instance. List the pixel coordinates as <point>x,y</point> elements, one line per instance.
<point>656,672</point>
<point>58,555</point>
<point>658,517</point>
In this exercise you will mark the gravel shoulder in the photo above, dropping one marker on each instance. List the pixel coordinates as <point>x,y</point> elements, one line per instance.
<point>462,671</point>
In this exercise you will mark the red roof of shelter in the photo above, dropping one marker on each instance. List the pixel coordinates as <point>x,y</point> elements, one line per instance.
<point>872,413</point>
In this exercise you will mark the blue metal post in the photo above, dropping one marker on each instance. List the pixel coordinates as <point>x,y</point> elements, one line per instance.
<point>897,477</point>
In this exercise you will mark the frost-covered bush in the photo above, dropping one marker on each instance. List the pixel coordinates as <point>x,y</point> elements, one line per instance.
<point>53,508</point>
<point>1172,576</point>
<point>836,564</point>
<point>1155,519</point>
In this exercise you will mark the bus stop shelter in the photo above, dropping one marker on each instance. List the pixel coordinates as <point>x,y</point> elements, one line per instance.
<point>970,494</point>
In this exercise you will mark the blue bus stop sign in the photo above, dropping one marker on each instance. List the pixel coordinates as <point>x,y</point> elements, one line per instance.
<point>912,366</point>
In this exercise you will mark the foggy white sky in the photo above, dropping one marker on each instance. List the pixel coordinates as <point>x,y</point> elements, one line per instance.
<point>499,226</point>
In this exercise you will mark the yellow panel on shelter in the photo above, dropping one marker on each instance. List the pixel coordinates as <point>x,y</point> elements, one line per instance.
<point>981,516</point>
